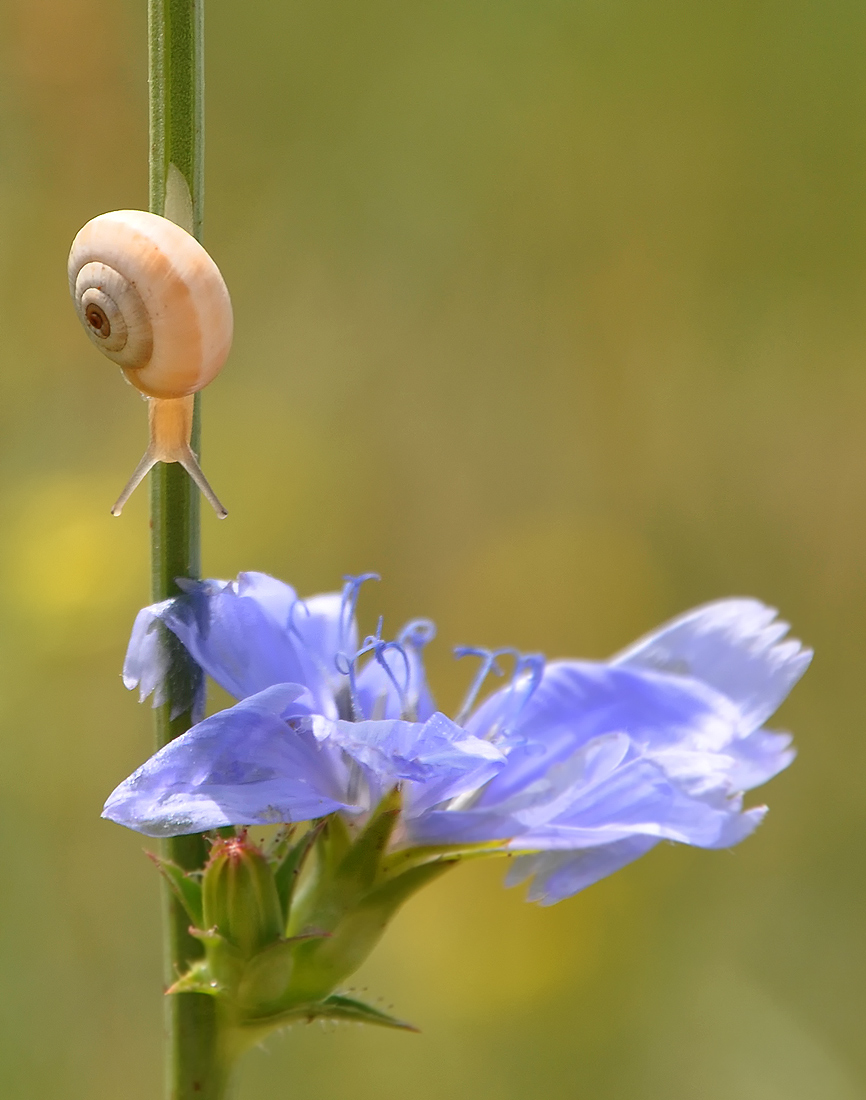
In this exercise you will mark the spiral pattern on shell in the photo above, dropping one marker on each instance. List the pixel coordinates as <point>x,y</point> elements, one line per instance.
<point>152,300</point>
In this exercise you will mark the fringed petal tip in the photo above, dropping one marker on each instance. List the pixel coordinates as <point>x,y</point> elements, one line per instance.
<point>735,646</point>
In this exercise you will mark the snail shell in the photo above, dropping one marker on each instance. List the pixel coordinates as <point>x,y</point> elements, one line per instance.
<point>152,300</point>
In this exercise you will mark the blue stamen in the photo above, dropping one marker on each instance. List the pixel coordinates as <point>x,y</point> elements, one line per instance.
<point>528,670</point>
<point>526,677</point>
<point>417,633</point>
<point>379,653</point>
<point>351,590</point>
<point>292,626</point>
<point>345,665</point>
<point>375,644</point>
<point>488,665</point>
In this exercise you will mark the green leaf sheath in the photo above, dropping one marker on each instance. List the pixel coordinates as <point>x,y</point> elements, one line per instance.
<point>287,871</point>
<point>336,1007</point>
<point>185,888</point>
<point>359,867</point>
<point>341,1007</point>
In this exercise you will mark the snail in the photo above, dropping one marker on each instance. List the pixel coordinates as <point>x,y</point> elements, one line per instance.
<point>153,301</point>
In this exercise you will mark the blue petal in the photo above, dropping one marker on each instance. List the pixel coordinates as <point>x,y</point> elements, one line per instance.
<point>250,634</point>
<point>275,598</point>
<point>636,798</point>
<point>243,766</point>
<point>461,827</point>
<point>401,690</point>
<point>323,630</point>
<point>558,875</point>
<point>602,794</point>
<point>438,757</point>
<point>759,757</point>
<point>605,791</point>
<point>735,646</point>
<point>578,701</point>
<point>147,661</point>
<point>235,634</point>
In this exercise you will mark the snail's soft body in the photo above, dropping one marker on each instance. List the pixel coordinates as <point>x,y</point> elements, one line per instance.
<point>155,303</point>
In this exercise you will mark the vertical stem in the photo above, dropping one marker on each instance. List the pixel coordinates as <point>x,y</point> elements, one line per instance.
<point>194,1067</point>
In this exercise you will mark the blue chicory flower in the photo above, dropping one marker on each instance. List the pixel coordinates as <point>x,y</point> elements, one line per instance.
<point>576,767</point>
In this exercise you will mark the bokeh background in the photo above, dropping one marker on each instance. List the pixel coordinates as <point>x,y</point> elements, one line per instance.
<point>552,311</point>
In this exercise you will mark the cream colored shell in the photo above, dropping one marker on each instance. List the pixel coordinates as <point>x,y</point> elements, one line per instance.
<point>152,300</point>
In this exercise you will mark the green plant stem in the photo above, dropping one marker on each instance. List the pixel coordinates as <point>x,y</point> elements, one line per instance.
<point>195,1066</point>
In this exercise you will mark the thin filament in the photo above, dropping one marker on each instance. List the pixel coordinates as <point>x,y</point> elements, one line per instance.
<point>351,590</point>
<point>379,651</point>
<point>488,664</point>
<point>140,472</point>
<point>190,463</point>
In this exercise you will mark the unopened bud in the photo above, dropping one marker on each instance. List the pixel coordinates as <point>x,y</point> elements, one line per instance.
<point>240,897</point>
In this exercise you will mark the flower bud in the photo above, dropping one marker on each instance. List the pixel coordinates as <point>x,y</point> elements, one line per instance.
<point>240,897</point>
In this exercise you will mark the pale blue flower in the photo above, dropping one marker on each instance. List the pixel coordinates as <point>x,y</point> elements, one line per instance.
<point>577,767</point>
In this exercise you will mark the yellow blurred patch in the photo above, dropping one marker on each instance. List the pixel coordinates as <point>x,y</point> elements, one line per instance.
<point>66,556</point>
<point>471,949</point>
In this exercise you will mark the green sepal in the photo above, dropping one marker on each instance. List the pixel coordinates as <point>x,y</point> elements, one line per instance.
<point>280,844</point>
<point>286,874</point>
<point>275,955</point>
<point>252,985</point>
<point>223,961</point>
<point>321,966</point>
<point>198,979</point>
<point>340,1007</point>
<point>405,859</point>
<point>337,885</point>
<point>185,888</point>
<point>359,867</point>
<point>265,977</point>
<point>334,841</point>
<point>211,938</point>
<point>335,1007</point>
<point>390,895</point>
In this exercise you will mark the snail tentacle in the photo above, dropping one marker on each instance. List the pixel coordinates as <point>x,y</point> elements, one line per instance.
<point>190,464</point>
<point>147,463</point>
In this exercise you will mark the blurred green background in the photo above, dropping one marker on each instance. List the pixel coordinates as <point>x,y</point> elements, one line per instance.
<point>552,311</point>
